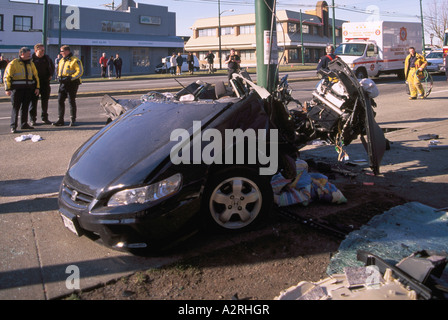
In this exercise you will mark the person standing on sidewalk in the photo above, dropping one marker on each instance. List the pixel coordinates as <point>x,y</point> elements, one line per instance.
<point>110,67</point>
<point>210,60</point>
<point>45,69</point>
<point>70,71</point>
<point>21,83</point>
<point>3,63</point>
<point>190,62</point>
<point>103,65</point>
<point>173,64</point>
<point>118,63</point>
<point>414,65</point>
<point>180,62</point>
<point>233,64</point>
<point>56,62</point>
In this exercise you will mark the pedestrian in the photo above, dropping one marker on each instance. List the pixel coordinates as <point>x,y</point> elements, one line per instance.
<point>118,63</point>
<point>45,69</point>
<point>70,70</point>
<point>173,64</point>
<point>284,60</point>
<point>56,62</point>
<point>3,63</point>
<point>190,61</point>
<point>21,83</point>
<point>414,65</point>
<point>325,60</point>
<point>180,62</point>
<point>110,67</point>
<point>103,65</point>
<point>210,57</point>
<point>233,64</point>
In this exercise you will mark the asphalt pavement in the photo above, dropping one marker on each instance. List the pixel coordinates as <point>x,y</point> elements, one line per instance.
<point>40,259</point>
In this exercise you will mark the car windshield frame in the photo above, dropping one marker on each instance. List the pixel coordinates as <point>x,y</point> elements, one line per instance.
<point>351,49</point>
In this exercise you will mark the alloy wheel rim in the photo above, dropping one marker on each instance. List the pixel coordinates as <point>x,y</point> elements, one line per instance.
<point>235,203</point>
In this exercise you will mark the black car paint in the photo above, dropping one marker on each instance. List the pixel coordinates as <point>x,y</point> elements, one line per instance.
<point>133,151</point>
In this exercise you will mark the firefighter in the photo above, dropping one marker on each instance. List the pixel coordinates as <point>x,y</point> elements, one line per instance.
<point>414,66</point>
<point>70,71</point>
<point>21,83</point>
<point>325,60</point>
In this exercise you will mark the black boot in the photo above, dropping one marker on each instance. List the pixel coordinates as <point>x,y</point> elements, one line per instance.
<point>59,123</point>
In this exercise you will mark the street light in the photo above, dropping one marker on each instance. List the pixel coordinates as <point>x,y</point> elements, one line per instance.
<point>301,36</point>
<point>219,30</point>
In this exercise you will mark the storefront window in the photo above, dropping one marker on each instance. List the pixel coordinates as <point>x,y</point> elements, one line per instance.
<point>140,57</point>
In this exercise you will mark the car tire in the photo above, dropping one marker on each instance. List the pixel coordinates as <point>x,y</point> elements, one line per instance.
<point>361,74</point>
<point>237,199</point>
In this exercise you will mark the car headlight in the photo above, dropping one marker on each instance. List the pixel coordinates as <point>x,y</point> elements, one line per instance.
<point>149,193</point>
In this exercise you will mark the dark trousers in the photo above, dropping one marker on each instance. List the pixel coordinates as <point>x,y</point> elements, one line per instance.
<point>103,71</point>
<point>44,93</point>
<point>229,74</point>
<point>118,72</point>
<point>67,90</point>
<point>20,99</point>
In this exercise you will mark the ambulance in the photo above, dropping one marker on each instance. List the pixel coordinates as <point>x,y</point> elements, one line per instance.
<point>378,47</point>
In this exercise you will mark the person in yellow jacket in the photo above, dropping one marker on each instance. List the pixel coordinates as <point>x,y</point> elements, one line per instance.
<point>413,67</point>
<point>70,70</point>
<point>21,83</point>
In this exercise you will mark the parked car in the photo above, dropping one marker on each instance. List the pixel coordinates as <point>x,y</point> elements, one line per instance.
<point>165,65</point>
<point>126,186</point>
<point>435,61</point>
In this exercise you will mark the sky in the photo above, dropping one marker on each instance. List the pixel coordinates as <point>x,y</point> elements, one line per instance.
<point>188,11</point>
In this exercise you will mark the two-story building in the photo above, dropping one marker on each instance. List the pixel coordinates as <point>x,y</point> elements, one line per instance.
<point>141,34</point>
<point>238,32</point>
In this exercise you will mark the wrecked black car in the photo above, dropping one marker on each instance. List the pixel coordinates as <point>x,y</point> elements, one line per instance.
<point>171,164</point>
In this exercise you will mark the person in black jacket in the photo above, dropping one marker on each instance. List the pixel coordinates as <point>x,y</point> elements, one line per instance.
<point>179,61</point>
<point>118,63</point>
<point>325,60</point>
<point>45,68</point>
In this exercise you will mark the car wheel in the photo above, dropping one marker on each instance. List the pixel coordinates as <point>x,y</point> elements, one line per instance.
<point>360,74</point>
<point>237,199</point>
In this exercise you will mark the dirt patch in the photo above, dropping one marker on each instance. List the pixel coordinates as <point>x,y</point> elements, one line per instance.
<point>258,265</point>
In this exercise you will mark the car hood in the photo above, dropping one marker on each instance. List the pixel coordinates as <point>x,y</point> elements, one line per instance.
<point>126,151</point>
<point>435,60</point>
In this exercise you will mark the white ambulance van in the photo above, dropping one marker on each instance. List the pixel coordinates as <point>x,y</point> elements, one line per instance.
<point>378,47</point>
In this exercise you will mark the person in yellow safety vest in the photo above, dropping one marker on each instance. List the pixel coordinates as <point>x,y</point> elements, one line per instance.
<point>413,69</point>
<point>21,83</point>
<point>70,70</point>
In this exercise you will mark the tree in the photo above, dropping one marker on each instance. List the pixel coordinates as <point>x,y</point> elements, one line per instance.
<point>435,18</point>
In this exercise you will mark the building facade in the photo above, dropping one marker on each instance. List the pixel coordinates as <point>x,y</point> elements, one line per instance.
<point>238,32</point>
<point>141,34</point>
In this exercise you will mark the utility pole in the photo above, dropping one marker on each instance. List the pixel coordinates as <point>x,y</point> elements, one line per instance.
<point>267,51</point>
<point>423,28</point>
<point>333,22</point>
<point>219,34</point>
<point>60,24</point>
<point>44,25</point>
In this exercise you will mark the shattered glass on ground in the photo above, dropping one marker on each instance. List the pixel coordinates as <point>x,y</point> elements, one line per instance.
<point>394,235</point>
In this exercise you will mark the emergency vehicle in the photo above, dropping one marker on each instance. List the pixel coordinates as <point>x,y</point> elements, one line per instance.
<point>378,47</point>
